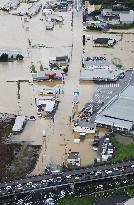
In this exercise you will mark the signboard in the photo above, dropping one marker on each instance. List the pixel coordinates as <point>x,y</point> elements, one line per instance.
<point>76,94</point>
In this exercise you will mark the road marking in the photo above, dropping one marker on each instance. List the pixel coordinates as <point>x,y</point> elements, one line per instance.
<point>110,85</point>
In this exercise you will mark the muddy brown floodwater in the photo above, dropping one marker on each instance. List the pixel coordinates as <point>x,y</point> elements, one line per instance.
<point>63,40</point>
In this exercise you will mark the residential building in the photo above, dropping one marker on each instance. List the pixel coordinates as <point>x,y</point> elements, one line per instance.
<point>48,74</point>
<point>61,60</point>
<point>127,18</point>
<point>104,41</point>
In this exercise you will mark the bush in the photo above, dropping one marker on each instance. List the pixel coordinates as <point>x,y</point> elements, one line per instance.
<point>123,26</point>
<point>93,28</point>
<point>33,69</point>
<point>65,69</point>
<point>4,57</point>
<point>19,57</point>
<point>41,68</point>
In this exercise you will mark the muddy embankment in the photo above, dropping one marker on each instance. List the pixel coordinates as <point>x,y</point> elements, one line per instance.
<point>16,160</point>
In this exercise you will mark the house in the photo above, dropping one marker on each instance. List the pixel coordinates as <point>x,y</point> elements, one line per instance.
<point>127,18</point>
<point>97,24</point>
<point>47,11</point>
<point>73,159</point>
<point>49,92</point>
<point>105,41</point>
<point>49,74</point>
<point>101,41</point>
<point>85,126</point>
<point>60,61</point>
<point>8,5</point>
<point>19,124</point>
<point>106,12</point>
<point>46,106</point>
<point>54,17</point>
<point>49,25</point>
<point>34,9</point>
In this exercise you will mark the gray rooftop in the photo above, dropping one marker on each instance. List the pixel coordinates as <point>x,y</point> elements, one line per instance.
<point>97,63</point>
<point>121,109</point>
<point>120,112</point>
<point>113,122</point>
<point>19,121</point>
<point>73,155</point>
<point>10,51</point>
<point>99,74</point>
<point>127,16</point>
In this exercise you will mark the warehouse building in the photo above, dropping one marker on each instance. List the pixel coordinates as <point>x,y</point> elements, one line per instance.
<point>119,114</point>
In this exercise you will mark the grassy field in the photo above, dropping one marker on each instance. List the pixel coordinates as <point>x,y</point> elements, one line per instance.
<point>123,152</point>
<point>76,201</point>
<point>89,200</point>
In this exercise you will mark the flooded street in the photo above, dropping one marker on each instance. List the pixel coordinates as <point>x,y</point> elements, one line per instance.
<point>38,45</point>
<point>63,40</point>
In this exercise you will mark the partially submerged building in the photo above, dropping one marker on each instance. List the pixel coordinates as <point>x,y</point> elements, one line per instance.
<point>99,69</point>
<point>55,17</point>
<point>19,124</point>
<point>49,25</point>
<point>96,62</point>
<point>48,74</point>
<point>60,61</point>
<point>119,113</point>
<point>97,24</point>
<point>84,123</point>
<point>49,92</point>
<point>9,4</point>
<point>34,9</point>
<point>46,106</point>
<point>73,159</point>
<point>104,42</point>
<point>127,18</point>
<point>100,74</point>
<point>84,126</point>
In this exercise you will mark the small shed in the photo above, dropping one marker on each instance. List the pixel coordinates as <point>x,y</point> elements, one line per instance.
<point>73,159</point>
<point>20,121</point>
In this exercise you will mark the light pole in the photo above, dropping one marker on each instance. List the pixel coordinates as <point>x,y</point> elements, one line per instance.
<point>44,138</point>
<point>44,141</point>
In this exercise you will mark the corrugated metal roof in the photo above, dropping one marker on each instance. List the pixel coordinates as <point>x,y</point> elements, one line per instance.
<point>19,121</point>
<point>113,122</point>
<point>10,51</point>
<point>94,74</point>
<point>127,17</point>
<point>123,108</point>
<point>120,112</point>
<point>97,63</point>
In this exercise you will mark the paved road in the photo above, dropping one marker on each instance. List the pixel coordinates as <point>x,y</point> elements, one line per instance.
<point>106,92</point>
<point>70,177</point>
<point>38,196</point>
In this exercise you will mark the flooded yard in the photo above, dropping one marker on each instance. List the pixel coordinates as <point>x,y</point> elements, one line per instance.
<point>124,45</point>
<point>65,39</point>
